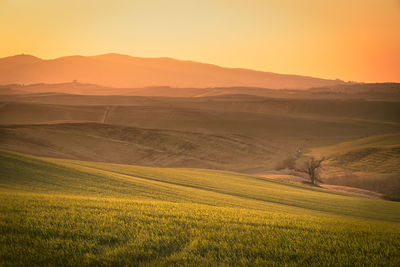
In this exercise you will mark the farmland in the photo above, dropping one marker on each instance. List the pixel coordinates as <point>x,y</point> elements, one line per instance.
<point>370,163</point>
<point>57,211</point>
<point>153,180</point>
<point>199,133</point>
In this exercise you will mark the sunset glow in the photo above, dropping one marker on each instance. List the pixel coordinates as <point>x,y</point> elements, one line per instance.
<point>199,133</point>
<point>351,40</point>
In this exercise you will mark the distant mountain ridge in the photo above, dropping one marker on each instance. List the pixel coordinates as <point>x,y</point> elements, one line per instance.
<point>117,70</point>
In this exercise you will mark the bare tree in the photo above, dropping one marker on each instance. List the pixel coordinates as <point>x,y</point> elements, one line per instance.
<point>311,168</point>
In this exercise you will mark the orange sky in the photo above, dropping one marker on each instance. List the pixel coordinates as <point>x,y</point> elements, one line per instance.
<point>355,40</point>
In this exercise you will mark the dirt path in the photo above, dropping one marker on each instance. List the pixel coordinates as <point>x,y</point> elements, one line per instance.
<point>106,113</point>
<point>337,188</point>
<point>352,190</point>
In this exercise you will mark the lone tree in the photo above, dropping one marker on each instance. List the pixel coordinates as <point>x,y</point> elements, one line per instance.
<point>311,168</point>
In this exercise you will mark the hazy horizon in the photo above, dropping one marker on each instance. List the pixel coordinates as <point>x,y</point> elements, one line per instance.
<point>346,40</point>
<point>200,133</point>
<point>118,70</point>
<point>188,60</point>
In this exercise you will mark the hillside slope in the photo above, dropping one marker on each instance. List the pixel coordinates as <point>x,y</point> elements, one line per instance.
<point>65,212</point>
<point>385,111</point>
<point>149,147</point>
<point>46,175</point>
<point>125,71</point>
<point>379,153</point>
<point>234,132</point>
<point>370,163</point>
<point>248,144</point>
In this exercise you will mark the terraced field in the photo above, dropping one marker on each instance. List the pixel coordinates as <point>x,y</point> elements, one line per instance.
<point>379,153</point>
<point>57,211</point>
<point>370,163</point>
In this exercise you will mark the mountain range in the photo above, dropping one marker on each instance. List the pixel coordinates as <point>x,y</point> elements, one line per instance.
<point>115,70</point>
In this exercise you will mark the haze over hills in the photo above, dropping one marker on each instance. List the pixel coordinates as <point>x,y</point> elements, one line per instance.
<point>125,71</point>
<point>366,91</point>
<point>168,113</point>
<point>231,132</point>
<point>268,136</point>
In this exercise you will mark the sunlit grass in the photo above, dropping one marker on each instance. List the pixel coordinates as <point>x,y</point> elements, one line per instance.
<point>64,212</point>
<point>49,229</point>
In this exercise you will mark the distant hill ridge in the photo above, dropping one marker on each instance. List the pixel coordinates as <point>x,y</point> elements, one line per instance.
<point>125,71</point>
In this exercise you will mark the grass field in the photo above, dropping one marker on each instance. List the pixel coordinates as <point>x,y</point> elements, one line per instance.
<point>379,153</point>
<point>56,211</point>
<point>370,163</point>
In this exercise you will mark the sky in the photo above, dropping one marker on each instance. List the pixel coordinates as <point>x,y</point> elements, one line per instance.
<point>353,40</point>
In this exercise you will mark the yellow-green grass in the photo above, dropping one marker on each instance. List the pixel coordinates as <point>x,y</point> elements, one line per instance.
<point>379,154</point>
<point>60,230</point>
<point>66,212</point>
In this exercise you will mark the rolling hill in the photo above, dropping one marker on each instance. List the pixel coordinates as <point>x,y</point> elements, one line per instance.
<point>148,147</point>
<point>232,132</point>
<point>124,71</point>
<point>370,163</point>
<point>379,153</point>
<point>368,91</point>
<point>336,108</point>
<point>210,187</point>
<point>75,212</point>
<point>237,145</point>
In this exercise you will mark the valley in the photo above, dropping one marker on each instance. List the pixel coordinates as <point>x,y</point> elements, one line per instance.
<point>141,179</point>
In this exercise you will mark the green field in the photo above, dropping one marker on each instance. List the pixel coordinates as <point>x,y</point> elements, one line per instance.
<point>56,211</point>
